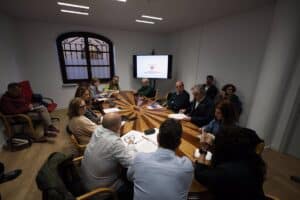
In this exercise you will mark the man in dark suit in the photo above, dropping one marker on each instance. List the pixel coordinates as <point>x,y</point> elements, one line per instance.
<point>200,111</point>
<point>179,99</point>
<point>211,89</point>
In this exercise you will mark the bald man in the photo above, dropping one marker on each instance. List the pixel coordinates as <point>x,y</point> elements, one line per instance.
<point>104,154</point>
<point>180,99</point>
<point>146,90</point>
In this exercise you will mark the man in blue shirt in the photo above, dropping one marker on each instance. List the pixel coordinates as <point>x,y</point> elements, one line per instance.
<point>179,99</point>
<point>162,174</point>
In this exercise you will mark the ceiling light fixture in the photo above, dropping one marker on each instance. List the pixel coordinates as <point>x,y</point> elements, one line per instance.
<point>74,12</point>
<point>122,0</point>
<point>152,17</point>
<point>73,5</point>
<point>144,21</point>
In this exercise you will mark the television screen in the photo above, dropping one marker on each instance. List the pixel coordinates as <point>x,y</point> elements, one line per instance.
<point>152,66</point>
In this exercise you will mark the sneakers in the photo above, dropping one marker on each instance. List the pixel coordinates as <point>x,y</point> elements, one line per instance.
<point>40,139</point>
<point>52,129</point>
<point>50,134</point>
<point>10,175</point>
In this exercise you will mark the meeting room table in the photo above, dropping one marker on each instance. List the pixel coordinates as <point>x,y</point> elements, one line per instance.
<point>144,118</point>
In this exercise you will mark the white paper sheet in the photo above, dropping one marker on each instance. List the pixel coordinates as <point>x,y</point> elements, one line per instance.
<point>154,106</point>
<point>178,116</point>
<point>143,143</point>
<point>111,110</point>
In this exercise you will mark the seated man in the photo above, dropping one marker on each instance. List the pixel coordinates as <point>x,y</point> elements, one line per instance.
<point>12,102</point>
<point>104,154</point>
<point>162,174</point>
<point>179,99</point>
<point>200,111</point>
<point>211,89</point>
<point>146,90</point>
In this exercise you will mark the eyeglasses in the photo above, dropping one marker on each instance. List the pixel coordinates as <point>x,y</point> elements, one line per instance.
<point>82,106</point>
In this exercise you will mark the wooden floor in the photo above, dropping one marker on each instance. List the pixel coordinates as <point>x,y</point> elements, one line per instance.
<point>280,167</point>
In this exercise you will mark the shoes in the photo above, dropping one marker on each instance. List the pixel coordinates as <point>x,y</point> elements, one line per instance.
<point>52,128</point>
<point>50,134</point>
<point>42,139</point>
<point>10,175</point>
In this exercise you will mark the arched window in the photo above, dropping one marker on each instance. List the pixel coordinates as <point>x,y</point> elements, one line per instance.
<point>84,56</point>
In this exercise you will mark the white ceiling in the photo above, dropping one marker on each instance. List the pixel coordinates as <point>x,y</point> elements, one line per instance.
<point>177,14</point>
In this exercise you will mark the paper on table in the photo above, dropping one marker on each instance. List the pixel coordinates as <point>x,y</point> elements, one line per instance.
<point>37,107</point>
<point>154,106</point>
<point>178,116</point>
<point>143,143</point>
<point>102,99</point>
<point>110,110</point>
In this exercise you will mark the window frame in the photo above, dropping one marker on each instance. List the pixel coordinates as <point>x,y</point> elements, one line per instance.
<point>85,35</point>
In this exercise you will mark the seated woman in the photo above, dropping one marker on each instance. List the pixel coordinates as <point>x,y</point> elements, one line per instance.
<point>225,115</point>
<point>79,125</point>
<point>94,88</point>
<point>113,84</point>
<point>84,93</point>
<point>236,171</point>
<point>228,93</point>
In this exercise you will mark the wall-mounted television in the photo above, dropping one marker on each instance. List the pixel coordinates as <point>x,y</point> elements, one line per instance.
<point>152,66</point>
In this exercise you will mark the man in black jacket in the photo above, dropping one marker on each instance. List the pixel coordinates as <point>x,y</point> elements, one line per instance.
<point>211,89</point>
<point>179,99</point>
<point>200,111</point>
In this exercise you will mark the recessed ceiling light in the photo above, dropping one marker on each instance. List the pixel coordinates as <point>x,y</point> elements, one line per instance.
<point>152,17</point>
<point>73,5</point>
<point>122,0</point>
<point>74,12</point>
<point>144,21</point>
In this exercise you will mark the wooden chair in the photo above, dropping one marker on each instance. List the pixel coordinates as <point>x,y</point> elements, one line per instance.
<point>270,197</point>
<point>9,121</point>
<point>260,148</point>
<point>79,147</point>
<point>77,161</point>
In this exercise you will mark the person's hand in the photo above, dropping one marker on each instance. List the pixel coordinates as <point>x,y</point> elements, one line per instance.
<point>201,130</point>
<point>207,138</point>
<point>188,119</point>
<point>30,106</point>
<point>182,110</point>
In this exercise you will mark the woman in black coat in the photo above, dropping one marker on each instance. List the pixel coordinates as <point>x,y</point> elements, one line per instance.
<point>236,171</point>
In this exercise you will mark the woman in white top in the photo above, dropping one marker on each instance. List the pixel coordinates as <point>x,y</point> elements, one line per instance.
<point>80,125</point>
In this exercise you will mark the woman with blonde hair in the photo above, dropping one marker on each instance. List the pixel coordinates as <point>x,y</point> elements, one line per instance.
<point>85,94</point>
<point>79,125</point>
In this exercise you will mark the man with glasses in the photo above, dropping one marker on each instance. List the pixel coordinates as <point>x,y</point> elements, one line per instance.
<point>180,99</point>
<point>200,111</point>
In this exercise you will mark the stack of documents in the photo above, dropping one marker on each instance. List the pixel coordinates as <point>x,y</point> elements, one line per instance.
<point>111,110</point>
<point>178,116</point>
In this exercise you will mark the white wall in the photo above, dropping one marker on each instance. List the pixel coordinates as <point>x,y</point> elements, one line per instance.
<point>230,48</point>
<point>41,64</point>
<point>283,130</point>
<point>9,68</point>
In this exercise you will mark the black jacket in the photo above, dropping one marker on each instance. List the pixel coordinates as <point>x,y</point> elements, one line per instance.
<point>231,180</point>
<point>179,101</point>
<point>203,113</point>
<point>212,92</point>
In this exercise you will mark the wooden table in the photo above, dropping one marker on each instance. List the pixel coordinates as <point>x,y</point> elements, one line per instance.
<point>146,119</point>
